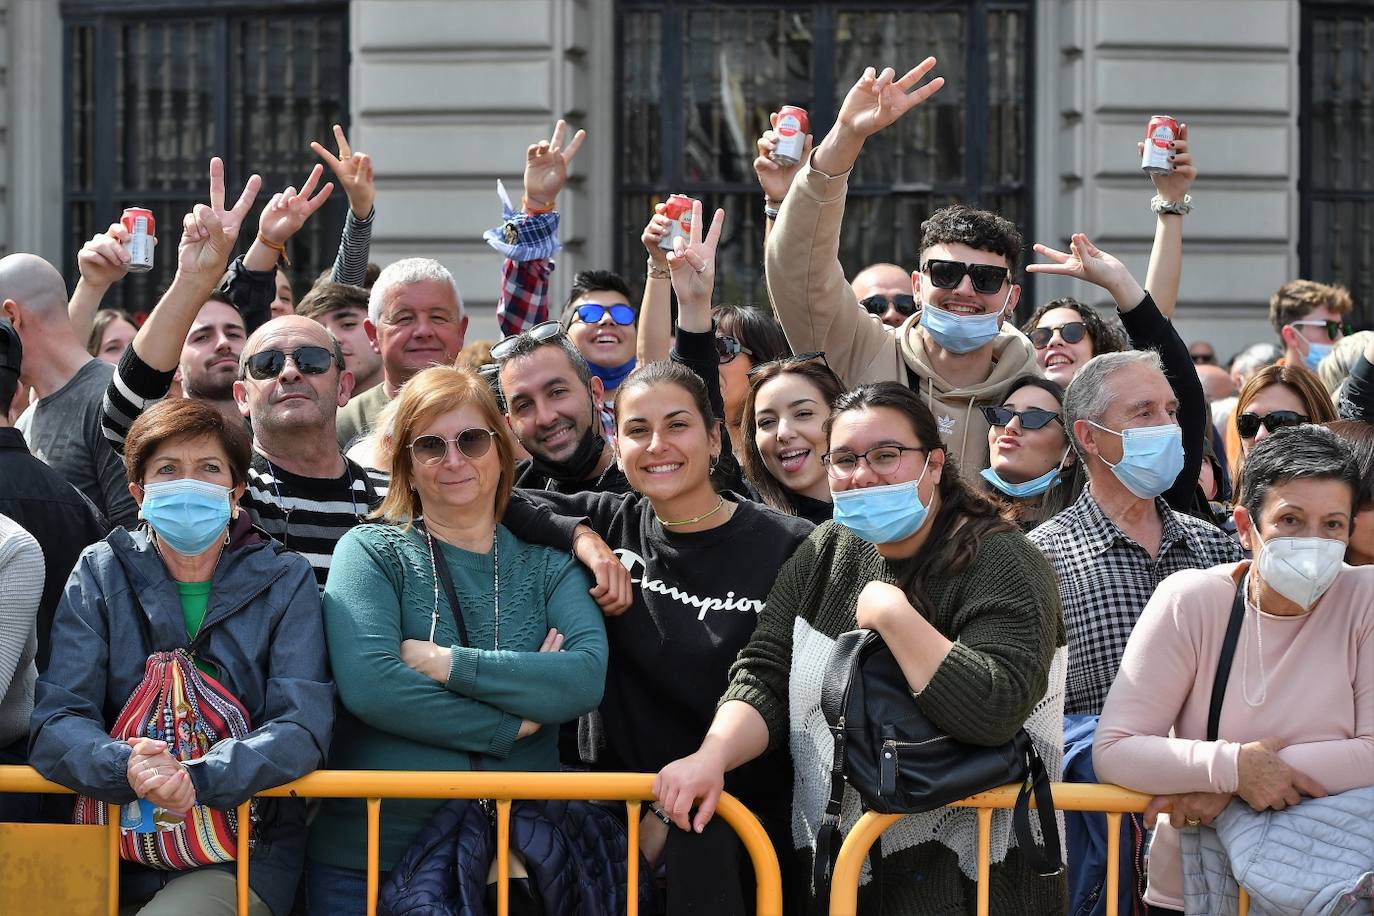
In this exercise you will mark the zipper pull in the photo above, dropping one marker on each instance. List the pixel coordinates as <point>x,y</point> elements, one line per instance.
<point>887,770</point>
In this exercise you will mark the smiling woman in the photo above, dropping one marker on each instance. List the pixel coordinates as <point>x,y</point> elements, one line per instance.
<point>783,435</point>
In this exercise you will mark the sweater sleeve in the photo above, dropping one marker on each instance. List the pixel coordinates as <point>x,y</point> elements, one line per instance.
<point>1149,329</point>
<point>21,587</point>
<point>1006,631</point>
<point>362,620</point>
<point>697,351</point>
<point>545,687</point>
<point>298,716</point>
<point>134,387</point>
<point>355,245</point>
<point>1156,677</point>
<point>540,523</point>
<point>251,291</point>
<point>598,510</point>
<point>1357,399</point>
<point>806,283</point>
<point>760,675</point>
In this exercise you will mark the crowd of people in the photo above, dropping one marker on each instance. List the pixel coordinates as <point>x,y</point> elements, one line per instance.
<point>627,536</point>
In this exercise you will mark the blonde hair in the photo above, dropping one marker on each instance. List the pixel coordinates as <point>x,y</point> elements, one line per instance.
<point>1337,365</point>
<point>432,393</point>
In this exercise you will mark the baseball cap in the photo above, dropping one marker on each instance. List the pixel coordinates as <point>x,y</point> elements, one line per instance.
<point>11,350</point>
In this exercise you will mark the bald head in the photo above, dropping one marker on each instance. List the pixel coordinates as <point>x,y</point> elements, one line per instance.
<point>298,329</point>
<point>881,278</point>
<point>36,289</point>
<point>1216,382</point>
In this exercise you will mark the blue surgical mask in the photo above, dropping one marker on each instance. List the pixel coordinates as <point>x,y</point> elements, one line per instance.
<point>883,514</point>
<point>962,333</point>
<point>1316,352</point>
<point>187,515</point>
<point>1023,490</point>
<point>1151,458</point>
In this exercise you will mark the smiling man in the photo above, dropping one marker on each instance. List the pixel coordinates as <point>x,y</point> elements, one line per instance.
<point>602,324</point>
<point>958,350</point>
<point>416,318</point>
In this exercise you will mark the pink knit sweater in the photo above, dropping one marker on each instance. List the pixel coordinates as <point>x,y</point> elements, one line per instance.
<point>1317,694</point>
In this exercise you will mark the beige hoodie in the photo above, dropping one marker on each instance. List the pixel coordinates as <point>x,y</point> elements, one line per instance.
<point>819,311</point>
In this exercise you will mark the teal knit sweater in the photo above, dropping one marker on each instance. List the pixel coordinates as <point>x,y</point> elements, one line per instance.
<point>380,592</point>
<point>1003,613</point>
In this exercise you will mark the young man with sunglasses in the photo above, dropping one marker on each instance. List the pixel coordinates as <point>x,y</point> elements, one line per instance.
<point>602,324</point>
<point>959,351</point>
<point>1310,319</point>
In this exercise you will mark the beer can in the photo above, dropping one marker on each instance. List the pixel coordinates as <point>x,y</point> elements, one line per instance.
<point>793,124</point>
<point>677,208</point>
<point>142,231</point>
<point>1159,133</point>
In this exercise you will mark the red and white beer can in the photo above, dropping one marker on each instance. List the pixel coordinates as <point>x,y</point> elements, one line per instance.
<point>142,230</point>
<point>1159,133</point>
<point>677,208</point>
<point>793,123</point>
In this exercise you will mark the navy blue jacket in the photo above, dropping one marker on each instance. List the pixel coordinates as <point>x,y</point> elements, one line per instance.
<point>263,630</point>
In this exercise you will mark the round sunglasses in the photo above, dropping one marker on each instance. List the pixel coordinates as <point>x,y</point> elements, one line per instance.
<point>1031,417</point>
<point>1070,333</point>
<point>1248,424</point>
<point>877,304</point>
<point>473,442</point>
<point>309,360</point>
<point>593,312</point>
<point>727,348</point>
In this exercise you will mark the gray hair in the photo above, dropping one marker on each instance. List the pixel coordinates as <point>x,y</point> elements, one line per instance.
<point>1253,358</point>
<point>406,272</point>
<point>1090,393</point>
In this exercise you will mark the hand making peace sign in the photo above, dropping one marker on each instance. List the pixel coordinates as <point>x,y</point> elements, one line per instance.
<point>210,232</point>
<point>354,171</point>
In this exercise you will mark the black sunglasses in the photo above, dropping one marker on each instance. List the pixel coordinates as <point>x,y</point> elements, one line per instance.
<point>877,304</point>
<point>544,330</point>
<point>1248,424</point>
<point>1031,417</point>
<point>473,442</point>
<point>987,278</point>
<point>1070,333</point>
<point>727,348</point>
<point>310,360</point>
<point>793,360</point>
<point>1203,359</point>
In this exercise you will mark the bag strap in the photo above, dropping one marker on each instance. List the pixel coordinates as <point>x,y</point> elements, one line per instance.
<point>451,596</point>
<point>1228,654</point>
<point>839,672</point>
<point>1047,860</point>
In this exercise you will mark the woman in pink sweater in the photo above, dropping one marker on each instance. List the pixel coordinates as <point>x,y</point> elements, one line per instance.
<point>1298,715</point>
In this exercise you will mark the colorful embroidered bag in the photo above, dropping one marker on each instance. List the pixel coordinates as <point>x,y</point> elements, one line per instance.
<point>191,712</point>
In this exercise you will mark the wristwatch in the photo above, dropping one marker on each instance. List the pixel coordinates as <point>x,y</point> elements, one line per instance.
<point>1177,207</point>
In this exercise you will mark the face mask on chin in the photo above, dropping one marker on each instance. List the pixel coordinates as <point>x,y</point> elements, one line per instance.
<point>581,464</point>
<point>961,333</point>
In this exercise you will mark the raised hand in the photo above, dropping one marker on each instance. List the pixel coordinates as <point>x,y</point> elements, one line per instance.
<point>546,166</point>
<point>1176,184</point>
<point>653,234</point>
<point>693,262</point>
<point>776,179</point>
<point>103,261</point>
<point>879,99</point>
<point>353,170</point>
<point>1085,261</point>
<point>209,233</point>
<point>288,210</point>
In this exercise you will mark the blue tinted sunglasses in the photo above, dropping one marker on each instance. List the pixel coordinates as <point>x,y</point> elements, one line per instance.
<point>592,313</point>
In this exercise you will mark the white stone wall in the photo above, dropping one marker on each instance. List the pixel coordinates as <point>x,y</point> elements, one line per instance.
<point>447,94</point>
<point>31,129</point>
<point>1229,69</point>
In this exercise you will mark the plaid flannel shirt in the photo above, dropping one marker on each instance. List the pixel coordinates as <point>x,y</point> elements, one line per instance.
<point>529,242</point>
<point>1105,580</point>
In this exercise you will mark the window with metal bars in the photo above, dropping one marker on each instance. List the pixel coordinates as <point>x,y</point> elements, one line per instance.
<point>1336,131</point>
<point>152,91</point>
<point>698,80</point>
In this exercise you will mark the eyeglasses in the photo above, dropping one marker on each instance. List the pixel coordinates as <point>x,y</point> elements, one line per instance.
<point>593,312</point>
<point>1203,359</point>
<point>794,360</point>
<point>473,442</point>
<point>544,330</point>
<point>310,360</point>
<point>987,278</point>
<point>904,303</point>
<point>1248,424</point>
<point>882,459</point>
<point>1335,330</point>
<point>727,348</point>
<point>1031,417</point>
<point>1070,333</point>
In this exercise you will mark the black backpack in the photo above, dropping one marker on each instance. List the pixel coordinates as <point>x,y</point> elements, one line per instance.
<point>902,763</point>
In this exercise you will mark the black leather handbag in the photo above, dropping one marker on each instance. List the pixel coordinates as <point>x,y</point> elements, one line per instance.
<point>902,763</point>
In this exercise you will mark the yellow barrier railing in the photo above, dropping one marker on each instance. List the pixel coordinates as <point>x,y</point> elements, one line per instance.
<point>1111,800</point>
<point>632,788</point>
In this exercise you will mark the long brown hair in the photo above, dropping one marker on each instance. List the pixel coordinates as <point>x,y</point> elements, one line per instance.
<point>973,514</point>
<point>817,373</point>
<point>1309,389</point>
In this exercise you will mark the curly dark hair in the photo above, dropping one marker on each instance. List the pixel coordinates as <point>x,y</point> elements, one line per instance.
<point>981,229</point>
<point>1107,335</point>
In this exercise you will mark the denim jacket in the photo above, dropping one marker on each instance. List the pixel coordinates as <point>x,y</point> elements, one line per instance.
<point>263,630</point>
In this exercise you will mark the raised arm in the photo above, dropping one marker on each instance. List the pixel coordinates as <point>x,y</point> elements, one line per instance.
<point>654,338</point>
<point>1166,257</point>
<point>775,179</point>
<point>102,262</point>
<point>353,171</point>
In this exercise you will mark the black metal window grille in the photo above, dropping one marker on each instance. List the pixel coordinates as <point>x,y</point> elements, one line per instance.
<point>153,90</point>
<point>1336,131</point>
<point>698,79</point>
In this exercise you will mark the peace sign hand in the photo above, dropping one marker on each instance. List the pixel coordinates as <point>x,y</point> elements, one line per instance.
<point>546,166</point>
<point>693,263</point>
<point>879,99</point>
<point>354,171</point>
<point>288,210</point>
<point>1085,261</point>
<point>209,233</point>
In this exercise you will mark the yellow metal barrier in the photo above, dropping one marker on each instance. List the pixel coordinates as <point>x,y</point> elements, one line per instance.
<point>632,788</point>
<point>1111,800</point>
